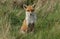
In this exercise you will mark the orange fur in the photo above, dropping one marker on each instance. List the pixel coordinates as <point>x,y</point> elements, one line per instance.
<point>24,26</point>
<point>30,8</point>
<point>30,26</point>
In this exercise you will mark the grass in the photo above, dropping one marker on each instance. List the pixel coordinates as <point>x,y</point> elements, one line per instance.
<point>47,24</point>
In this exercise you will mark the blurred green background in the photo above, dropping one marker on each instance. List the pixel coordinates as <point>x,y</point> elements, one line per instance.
<point>47,25</point>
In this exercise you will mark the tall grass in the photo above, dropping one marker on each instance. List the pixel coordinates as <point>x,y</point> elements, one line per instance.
<point>47,24</point>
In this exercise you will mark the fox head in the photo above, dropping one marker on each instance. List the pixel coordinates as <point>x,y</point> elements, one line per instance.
<point>29,9</point>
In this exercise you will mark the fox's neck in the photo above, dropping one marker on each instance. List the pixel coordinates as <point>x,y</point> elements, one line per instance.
<point>29,19</point>
<point>27,15</point>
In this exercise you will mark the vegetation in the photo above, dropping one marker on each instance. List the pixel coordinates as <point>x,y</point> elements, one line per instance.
<point>47,24</point>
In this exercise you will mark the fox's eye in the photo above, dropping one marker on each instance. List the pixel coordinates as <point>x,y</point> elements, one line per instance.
<point>32,10</point>
<point>28,10</point>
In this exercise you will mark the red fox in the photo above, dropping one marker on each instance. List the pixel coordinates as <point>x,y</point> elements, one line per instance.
<point>30,19</point>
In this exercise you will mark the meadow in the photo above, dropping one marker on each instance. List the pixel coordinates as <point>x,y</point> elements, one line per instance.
<point>47,25</point>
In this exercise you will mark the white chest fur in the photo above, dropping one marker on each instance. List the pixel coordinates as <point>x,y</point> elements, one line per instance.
<point>30,18</point>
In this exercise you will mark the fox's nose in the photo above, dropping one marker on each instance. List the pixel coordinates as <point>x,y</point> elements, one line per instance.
<point>30,14</point>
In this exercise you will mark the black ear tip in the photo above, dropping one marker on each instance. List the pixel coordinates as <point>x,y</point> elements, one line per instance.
<point>24,5</point>
<point>34,5</point>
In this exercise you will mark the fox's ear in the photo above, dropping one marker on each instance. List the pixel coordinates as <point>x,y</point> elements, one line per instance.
<point>33,5</point>
<point>24,6</point>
